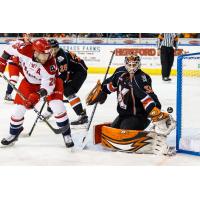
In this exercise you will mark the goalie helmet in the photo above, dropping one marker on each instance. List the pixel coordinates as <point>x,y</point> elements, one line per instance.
<point>132,63</point>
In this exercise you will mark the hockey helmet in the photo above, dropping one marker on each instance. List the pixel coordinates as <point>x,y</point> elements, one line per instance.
<point>54,43</point>
<point>42,46</point>
<point>42,50</point>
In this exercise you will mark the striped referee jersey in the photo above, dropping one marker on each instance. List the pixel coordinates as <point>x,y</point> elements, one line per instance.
<point>168,40</point>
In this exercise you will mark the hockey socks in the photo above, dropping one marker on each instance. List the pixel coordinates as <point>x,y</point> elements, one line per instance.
<point>62,120</point>
<point>15,129</point>
<point>9,89</point>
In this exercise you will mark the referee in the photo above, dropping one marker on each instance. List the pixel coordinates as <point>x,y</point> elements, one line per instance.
<point>167,42</point>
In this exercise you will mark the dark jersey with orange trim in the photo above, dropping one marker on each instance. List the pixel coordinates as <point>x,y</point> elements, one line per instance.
<point>69,65</point>
<point>135,97</point>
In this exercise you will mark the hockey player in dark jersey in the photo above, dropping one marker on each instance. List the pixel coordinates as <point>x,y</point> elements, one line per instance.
<point>138,105</point>
<point>73,72</point>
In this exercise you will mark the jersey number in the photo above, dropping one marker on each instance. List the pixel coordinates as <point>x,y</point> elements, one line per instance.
<point>63,68</point>
<point>51,82</point>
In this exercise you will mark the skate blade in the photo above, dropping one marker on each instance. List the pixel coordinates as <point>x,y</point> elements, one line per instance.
<point>7,146</point>
<point>70,149</point>
<point>9,102</point>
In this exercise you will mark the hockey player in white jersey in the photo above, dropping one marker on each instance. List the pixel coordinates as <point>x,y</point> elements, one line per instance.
<point>14,69</point>
<point>40,80</point>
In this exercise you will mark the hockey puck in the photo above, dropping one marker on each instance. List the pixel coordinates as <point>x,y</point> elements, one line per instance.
<point>170,110</point>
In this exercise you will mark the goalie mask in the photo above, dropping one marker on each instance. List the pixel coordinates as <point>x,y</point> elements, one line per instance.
<point>132,63</point>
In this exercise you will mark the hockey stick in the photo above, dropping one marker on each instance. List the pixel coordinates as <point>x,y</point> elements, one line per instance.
<point>56,131</point>
<point>36,120</point>
<point>85,138</point>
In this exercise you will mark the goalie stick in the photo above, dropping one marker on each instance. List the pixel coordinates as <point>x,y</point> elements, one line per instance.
<point>56,131</point>
<point>85,138</point>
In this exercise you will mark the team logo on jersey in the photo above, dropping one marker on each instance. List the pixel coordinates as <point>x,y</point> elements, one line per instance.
<point>144,78</point>
<point>60,58</point>
<point>52,68</point>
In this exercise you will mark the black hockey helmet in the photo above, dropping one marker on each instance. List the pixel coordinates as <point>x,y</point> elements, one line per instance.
<point>53,43</point>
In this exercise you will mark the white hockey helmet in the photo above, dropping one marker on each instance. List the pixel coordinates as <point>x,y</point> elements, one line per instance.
<point>132,63</point>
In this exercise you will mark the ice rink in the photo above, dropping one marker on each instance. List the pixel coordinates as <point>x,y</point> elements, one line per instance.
<point>46,148</point>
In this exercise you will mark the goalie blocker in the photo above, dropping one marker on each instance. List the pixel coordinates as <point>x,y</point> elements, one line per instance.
<point>137,141</point>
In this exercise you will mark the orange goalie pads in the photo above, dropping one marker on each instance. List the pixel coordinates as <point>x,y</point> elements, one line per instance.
<point>121,140</point>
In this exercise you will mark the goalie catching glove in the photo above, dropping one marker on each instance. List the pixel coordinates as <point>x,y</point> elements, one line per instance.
<point>96,95</point>
<point>163,122</point>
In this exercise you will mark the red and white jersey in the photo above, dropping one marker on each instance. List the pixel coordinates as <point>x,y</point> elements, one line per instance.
<point>16,43</point>
<point>34,72</point>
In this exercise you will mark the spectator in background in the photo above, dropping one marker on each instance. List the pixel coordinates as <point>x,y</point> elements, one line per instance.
<point>132,35</point>
<point>188,35</point>
<point>149,35</point>
<point>117,35</point>
<point>166,44</point>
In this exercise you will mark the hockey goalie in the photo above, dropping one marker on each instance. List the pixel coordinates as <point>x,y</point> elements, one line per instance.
<point>138,106</point>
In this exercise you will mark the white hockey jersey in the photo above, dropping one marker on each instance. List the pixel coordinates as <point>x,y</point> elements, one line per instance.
<point>34,72</point>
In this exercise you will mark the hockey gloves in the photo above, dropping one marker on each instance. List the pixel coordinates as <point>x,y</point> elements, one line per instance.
<point>96,95</point>
<point>32,100</point>
<point>3,64</point>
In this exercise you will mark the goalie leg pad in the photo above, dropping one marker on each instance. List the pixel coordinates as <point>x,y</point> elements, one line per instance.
<point>160,146</point>
<point>126,140</point>
<point>137,141</point>
<point>97,132</point>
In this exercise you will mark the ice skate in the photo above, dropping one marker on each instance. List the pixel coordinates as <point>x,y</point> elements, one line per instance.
<point>8,98</point>
<point>82,119</point>
<point>68,141</point>
<point>11,139</point>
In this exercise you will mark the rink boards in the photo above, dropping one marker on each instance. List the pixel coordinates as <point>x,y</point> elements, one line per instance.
<point>97,56</point>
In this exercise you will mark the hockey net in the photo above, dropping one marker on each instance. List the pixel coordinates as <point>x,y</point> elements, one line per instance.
<point>188,100</point>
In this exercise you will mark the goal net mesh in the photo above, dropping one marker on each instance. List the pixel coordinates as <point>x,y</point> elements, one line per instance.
<point>188,104</point>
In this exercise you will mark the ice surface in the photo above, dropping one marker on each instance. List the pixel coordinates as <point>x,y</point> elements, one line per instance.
<point>46,148</point>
